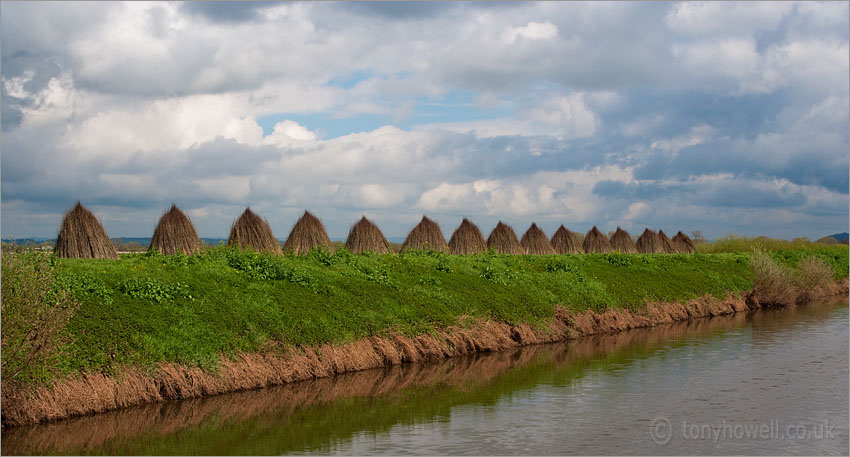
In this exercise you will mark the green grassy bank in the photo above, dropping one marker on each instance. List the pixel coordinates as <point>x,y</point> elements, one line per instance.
<point>144,309</point>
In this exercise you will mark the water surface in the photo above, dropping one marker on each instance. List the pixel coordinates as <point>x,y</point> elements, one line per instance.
<point>771,382</point>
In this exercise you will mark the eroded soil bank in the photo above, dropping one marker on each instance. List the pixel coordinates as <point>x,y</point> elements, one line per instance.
<point>95,392</point>
<point>92,434</point>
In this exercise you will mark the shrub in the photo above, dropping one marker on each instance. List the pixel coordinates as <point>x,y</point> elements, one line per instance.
<point>814,273</point>
<point>35,311</point>
<point>773,284</point>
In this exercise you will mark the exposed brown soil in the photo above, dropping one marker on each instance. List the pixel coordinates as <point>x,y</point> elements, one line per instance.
<point>95,392</point>
<point>85,434</point>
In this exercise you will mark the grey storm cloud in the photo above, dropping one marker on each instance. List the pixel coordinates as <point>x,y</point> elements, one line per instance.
<point>734,193</point>
<point>395,10</point>
<point>225,11</point>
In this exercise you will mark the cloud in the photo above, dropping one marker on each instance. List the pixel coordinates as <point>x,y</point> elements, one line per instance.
<point>225,11</point>
<point>730,18</point>
<point>636,210</point>
<point>530,31</point>
<point>578,113</point>
<point>733,58</point>
<point>286,131</point>
<point>560,116</point>
<point>569,115</point>
<point>397,10</point>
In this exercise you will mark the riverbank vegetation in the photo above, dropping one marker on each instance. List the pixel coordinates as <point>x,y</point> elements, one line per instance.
<point>144,309</point>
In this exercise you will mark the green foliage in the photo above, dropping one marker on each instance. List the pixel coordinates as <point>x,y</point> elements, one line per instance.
<point>559,264</point>
<point>298,276</point>
<point>617,259</point>
<point>491,274</point>
<point>430,281</point>
<point>85,285</point>
<point>254,265</point>
<point>154,290</point>
<point>267,266</point>
<point>322,256</point>
<point>244,301</point>
<point>379,274</point>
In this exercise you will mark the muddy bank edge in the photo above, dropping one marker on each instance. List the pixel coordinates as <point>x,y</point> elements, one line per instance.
<point>91,393</point>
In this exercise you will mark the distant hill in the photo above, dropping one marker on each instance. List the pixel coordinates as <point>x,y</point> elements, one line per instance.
<point>28,241</point>
<point>841,236</point>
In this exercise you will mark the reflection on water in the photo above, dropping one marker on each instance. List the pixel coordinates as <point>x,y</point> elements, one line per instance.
<point>598,395</point>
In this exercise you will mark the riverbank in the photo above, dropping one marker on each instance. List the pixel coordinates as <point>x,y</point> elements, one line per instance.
<point>152,328</point>
<point>98,392</point>
<point>318,414</point>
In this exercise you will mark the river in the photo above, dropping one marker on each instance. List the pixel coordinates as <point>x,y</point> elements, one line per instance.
<point>767,382</point>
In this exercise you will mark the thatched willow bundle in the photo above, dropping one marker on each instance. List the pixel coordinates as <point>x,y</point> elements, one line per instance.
<point>666,243</point>
<point>622,242</point>
<point>565,242</point>
<point>82,237</point>
<point>684,243</point>
<point>427,235</point>
<point>648,243</point>
<point>175,234</point>
<point>251,230</point>
<point>467,239</point>
<point>534,241</point>
<point>596,242</point>
<point>307,234</point>
<point>503,240</point>
<point>366,236</point>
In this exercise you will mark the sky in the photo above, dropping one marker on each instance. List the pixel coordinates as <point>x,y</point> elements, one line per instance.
<point>718,117</point>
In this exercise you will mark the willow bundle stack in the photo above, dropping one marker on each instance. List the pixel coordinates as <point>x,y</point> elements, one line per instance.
<point>82,237</point>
